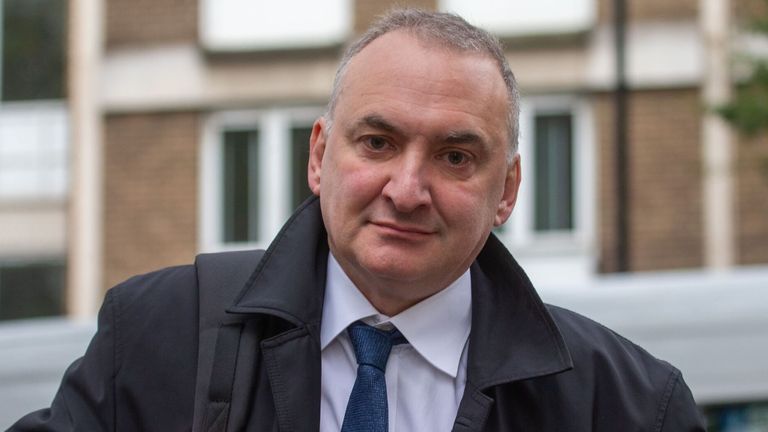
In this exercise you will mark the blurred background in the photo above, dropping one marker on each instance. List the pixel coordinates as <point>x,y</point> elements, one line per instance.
<point>135,134</point>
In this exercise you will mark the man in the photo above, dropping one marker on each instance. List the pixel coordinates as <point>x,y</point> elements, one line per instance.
<point>385,304</point>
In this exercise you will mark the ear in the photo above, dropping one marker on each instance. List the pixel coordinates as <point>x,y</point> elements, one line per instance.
<point>509,197</point>
<point>317,142</point>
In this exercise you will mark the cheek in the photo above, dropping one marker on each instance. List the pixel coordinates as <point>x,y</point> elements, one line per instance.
<point>347,193</point>
<point>473,207</point>
<point>356,183</point>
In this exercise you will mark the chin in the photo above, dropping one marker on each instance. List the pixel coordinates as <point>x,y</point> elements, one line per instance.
<point>396,269</point>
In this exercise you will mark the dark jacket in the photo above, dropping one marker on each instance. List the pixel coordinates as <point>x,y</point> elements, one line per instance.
<point>531,367</point>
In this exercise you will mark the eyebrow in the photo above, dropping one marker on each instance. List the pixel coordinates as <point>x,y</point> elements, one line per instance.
<point>463,137</point>
<point>376,121</point>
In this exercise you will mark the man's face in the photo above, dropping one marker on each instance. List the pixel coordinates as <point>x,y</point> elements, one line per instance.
<point>413,173</point>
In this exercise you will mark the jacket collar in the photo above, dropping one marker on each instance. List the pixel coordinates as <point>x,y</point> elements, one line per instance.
<point>513,336</point>
<point>289,281</point>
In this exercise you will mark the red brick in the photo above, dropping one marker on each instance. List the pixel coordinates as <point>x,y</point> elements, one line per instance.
<point>150,196</point>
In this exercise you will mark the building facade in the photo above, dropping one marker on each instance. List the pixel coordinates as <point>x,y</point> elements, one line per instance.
<point>190,122</point>
<point>185,87</point>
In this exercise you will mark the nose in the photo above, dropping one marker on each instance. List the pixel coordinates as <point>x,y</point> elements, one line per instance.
<point>408,188</point>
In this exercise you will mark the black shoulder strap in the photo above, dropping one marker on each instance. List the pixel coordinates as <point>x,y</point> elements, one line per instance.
<point>220,277</point>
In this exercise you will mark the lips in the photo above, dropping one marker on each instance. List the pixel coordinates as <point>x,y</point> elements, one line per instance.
<point>402,228</point>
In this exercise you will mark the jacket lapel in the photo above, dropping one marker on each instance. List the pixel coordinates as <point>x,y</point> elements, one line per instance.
<point>284,295</point>
<point>289,281</point>
<point>513,337</point>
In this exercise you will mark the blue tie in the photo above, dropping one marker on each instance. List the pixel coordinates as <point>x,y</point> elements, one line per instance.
<point>367,406</point>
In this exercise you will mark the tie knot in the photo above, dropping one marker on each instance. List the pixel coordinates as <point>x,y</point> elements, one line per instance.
<point>371,345</point>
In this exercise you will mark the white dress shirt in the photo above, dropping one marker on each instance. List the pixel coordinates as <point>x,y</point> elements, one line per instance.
<point>425,378</point>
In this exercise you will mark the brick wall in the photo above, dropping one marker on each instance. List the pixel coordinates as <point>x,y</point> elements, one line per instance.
<point>146,22</point>
<point>665,185</point>
<point>649,10</point>
<point>752,201</point>
<point>366,11</point>
<point>745,11</point>
<point>150,197</point>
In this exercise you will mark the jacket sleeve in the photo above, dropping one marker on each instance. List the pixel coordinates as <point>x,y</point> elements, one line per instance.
<point>680,413</point>
<point>85,399</point>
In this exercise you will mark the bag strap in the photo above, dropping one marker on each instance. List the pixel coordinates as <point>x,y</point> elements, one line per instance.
<point>220,277</point>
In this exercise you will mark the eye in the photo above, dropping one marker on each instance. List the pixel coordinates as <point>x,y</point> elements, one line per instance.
<point>376,142</point>
<point>456,158</point>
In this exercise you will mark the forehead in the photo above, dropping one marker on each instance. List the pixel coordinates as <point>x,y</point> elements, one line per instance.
<point>404,53</point>
<point>402,75</point>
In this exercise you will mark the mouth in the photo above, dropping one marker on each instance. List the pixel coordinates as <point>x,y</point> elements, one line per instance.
<point>402,229</point>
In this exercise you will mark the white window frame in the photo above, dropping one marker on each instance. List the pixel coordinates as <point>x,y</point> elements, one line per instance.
<point>571,251</point>
<point>275,176</point>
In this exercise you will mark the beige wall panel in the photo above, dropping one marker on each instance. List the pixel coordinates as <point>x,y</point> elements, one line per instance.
<point>178,77</point>
<point>32,230</point>
<point>550,69</point>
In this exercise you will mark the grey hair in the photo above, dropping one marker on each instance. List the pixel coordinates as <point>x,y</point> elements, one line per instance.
<point>446,30</point>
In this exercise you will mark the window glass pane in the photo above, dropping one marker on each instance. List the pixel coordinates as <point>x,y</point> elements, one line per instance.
<point>33,54</point>
<point>553,177</point>
<point>31,290</point>
<point>240,193</point>
<point>300,155</point>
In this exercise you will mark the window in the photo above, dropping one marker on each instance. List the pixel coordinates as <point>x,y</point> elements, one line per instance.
<point>33,156</point>
<point>33,151</point>
<point>553,171</point>
<point>254,174</point>
<point>254,166</point>
<point>31,289</point>
<point>33,120</point>
<point>240,175</point>
<point>246,24</point>
<point>240,185</point>
<point>300,158</point>
<point>511,18</point>
<point>33,36</point>
<point>552,225</point>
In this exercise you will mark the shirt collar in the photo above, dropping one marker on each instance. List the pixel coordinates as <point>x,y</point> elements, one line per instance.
<point>437,327</point>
